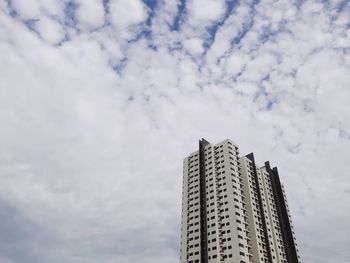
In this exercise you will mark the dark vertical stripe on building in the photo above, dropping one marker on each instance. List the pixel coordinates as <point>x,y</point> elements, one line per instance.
<point>261,208</point>
<point>203,203</point>
<point>282,212</point>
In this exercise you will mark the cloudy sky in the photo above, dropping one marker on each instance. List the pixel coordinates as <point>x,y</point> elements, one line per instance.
<point>100,100</point>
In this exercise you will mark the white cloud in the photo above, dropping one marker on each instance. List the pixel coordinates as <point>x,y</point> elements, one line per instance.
<point>3,6</point>
<point>246,88</point>
<point>35,9</point>
<point>201,12</point>
<point>112,48</point>
<point>125,14</point>
<point>27,11</point>
<point>236,62</point>
<point>232,27</point>
<point>51,7</point>
<point>51,31</point>
<point>91,13</point>
<point>194,45</point>
<point>82,146</point>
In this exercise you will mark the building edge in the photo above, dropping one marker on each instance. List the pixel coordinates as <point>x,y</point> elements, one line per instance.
<point>282,212</point>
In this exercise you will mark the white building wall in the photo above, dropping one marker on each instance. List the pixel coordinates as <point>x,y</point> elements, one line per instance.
<point>274,231</point>
<point>258,251</point>
<point>233,236</point>
<point>291,222</point>
<point>190,239</point>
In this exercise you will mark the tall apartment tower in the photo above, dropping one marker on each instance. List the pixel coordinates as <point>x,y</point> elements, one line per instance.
<point>233,211</point>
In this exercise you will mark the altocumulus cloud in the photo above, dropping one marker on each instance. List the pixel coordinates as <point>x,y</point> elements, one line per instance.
<point>101,100</point>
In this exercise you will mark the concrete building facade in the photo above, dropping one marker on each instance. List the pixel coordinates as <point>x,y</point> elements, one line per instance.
<point>232,210</point>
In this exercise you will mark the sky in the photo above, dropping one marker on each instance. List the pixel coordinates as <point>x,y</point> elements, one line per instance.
<point>101,100</point>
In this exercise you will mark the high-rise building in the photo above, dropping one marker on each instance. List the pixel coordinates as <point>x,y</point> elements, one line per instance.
<point>233,211</point>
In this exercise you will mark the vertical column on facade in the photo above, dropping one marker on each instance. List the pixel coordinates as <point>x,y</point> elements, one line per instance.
<point>268,206</point>
<point>203,203</point>
<point>257,251</point>
<point>261,200</point>
<point>233,220</point>
<point>213,209</point>
<point>190,247</point>
<point>283,215</point>
<point>291,222</point>
<point>184,239</point>
<point>278,245</point>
